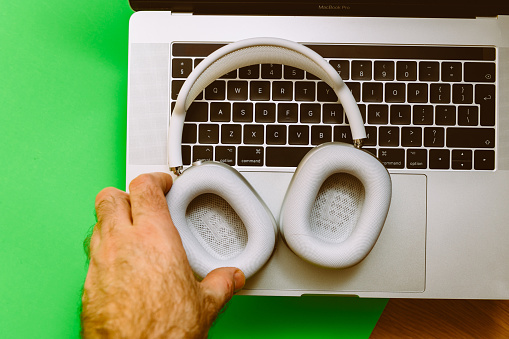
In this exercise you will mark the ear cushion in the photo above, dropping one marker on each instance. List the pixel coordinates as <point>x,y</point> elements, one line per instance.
<point>221,220</point>
<point>336,205</point>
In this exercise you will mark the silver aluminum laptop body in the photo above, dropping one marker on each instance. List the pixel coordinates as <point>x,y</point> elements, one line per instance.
<point>447,232</point>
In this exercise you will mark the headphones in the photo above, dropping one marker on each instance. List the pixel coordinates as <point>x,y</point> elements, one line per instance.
<point>334,208</point>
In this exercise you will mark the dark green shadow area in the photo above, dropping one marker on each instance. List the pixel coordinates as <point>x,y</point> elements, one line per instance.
<point>298,317</point>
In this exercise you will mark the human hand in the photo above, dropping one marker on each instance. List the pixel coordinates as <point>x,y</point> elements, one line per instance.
<point>139,282</point>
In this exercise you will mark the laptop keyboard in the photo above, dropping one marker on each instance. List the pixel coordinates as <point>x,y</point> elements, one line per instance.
<point>424,107</point>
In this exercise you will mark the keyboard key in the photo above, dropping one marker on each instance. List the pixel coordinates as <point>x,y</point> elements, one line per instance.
<point>220,111</point>
<point>468,115</point>
<point>186,155</point>
<point>203,153</point>
<point>321,134</point>
<point>231,134</point>
<point>332,114</point>
<point>485,97</point>
<point>216,90</point>
<point>371,136</point>
<point>462,93</point>
<point>304,91</point>
<point>388,136</point>
<point>285,156</point>
<point>479,72</point>
<point>445,115</point>
<point>176,85</point>
<point>282,90</point>
<point>250,156</point>
<point>392,157</point>
<point>198,112</point>
<point>181,68</point>
<point>242,112</point>
<point>342,67</point>
<point>372,92</point>
<point>208,134</point>
<point>484,160</point>
<point>434,136</point>
<point>355,88</point>
<point>400,115</point>
<point>343,134</point>
<point>226,155</point>
<point>287,112</point>
<point>237,90</point>
<point>423,115</point>
<point>272,71</point>
<point>311,76</point>
<point>384,70</point>
<point>249,72</point>
<point>361,70</point>
<point>411,136</point>
<point>395,92</point>
<point>189,133</point>
<point>253,134</point>
<point>406,70</point>
<point>417,93</point>
<point>468,137</point>
<point>229,75</point>
<point>298,135</point>
<point>310,113</point>
<point>462,159</point>
<point>440,93</point>
<point>259,90</point>
<point>265,112</point>
<point>439,159</point>
<point>452,71</point>
<point>293,73</point>
<point>428,71</point>
<point>417,159</point>
<point>326,93</point>
<point>378,114</point>
<point>276,134</point>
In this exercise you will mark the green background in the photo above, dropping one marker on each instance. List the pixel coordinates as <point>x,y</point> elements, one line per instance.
<point>63,93</point>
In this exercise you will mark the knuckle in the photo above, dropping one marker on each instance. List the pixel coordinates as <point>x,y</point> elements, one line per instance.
<point>107,203</point>
<point>143,180</point>
<point>106,194</point>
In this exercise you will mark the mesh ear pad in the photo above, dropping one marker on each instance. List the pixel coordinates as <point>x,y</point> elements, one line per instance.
<point>336,205</point>
<point>221,220</point>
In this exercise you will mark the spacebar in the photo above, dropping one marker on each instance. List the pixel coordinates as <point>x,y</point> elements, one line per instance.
<point>285,156</point>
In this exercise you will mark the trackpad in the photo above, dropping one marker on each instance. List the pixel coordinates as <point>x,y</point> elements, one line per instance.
<point>396,263</point>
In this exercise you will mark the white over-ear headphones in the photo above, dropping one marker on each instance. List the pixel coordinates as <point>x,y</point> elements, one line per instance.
<point>337,189</point>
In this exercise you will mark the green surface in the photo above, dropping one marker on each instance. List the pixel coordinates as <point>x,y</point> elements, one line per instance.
<point>63,88</point>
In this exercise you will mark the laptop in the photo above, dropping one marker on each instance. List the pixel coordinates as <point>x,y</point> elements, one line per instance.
<point>432,81</point>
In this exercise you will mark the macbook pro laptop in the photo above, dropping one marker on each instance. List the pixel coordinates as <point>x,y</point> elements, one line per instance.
<point>432,81</point>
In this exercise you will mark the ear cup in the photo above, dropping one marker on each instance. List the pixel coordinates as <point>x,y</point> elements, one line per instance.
<point>336,205</point>
<point>221,219</point>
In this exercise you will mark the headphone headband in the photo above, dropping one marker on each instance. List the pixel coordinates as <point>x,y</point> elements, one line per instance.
<point>249,52</point>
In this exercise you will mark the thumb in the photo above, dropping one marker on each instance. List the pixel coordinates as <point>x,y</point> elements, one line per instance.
<point>221,284</point>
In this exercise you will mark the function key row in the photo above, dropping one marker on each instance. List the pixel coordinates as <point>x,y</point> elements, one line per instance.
<point>365,70</point>
<point>441,159</point>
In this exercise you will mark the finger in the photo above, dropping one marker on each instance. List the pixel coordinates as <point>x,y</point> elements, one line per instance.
<point>221,284</point>
<point>147,196</point>
<point>113,209</point>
